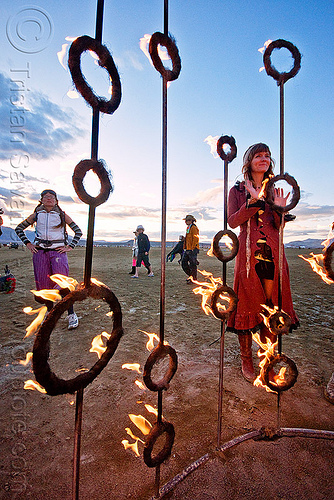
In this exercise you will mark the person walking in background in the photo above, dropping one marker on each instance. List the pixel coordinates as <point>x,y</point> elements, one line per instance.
<point>256,271</point>
<point>179,248</point>
<point>50,246</point>
<point>1,220</point>
<point>191,248</point>
<point>135,254</point>
<point>143,251</point>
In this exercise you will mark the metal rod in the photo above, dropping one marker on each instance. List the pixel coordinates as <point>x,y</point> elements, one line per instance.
<point>222,327</point>
<point>256,434</point>
<point>87,270</point>
<point>221,384</point>
<point>77,441</point>
<point>281,88</point>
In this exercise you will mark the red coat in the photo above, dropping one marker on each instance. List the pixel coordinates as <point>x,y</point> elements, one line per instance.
<point>248,286</point>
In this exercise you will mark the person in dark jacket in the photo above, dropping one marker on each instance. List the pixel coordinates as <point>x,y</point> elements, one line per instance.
<point>143,250</point>
<point>179,248</point>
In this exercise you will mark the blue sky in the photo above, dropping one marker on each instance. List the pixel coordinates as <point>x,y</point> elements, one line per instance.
<point>219,91</point>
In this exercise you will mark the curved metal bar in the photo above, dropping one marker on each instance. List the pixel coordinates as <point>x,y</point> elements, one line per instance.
<point>256,435</point>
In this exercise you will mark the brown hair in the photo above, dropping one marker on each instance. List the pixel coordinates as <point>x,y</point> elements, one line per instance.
<point>260,147</point>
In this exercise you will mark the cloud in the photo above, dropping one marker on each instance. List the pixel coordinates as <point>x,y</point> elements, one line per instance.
<point>35,124</point>
<point>209,196</point>
<point>305,211</point>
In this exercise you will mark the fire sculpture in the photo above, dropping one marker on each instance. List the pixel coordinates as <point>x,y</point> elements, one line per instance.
<point>162,351</point>
<point>325,271</point>
<point>90,288</point>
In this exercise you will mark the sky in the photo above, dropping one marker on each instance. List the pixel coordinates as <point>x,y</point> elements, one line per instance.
<point>220,91</point>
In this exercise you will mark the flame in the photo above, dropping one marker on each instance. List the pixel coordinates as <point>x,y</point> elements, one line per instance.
<point>73,94</point>
<point>151,338</point>
<point>329,239</point>
<point>316,267</point>
<point>65,281</point>
<point>34,386</point>
<point>98,344</point>
<point>262,49</point>
<point>226,240</point>
<point>26,361</point>
<point>140,384</point>
<point>52,295</point>
<point>32,328</point>
<point>162,51</point>
<point>141,422</point>
<point>132,366</point>
<point>97,282</point>
<point>265,45</point>
<point>132,446</point>
<point>267,355</point>
<point>61,55</point>
<point>207,289</point>
<point>151,409</point>
<point>263,188</point>
<point>212,142</point>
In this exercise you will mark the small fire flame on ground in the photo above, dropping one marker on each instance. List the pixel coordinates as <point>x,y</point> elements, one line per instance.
<point>316,260</point>
<point>206,290</point>
<point>139,420</point>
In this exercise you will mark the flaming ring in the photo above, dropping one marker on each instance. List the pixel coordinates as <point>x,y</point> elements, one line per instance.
<point>157,430</point>
<point>160,352</point>
<point>295,192</point>
<point>275,323</point>
<point>225,139</point>
<point>101,104</point>
<point>328,261</point>
<point>77,179</point>
<point>224,315</point>
<point>217,251</point>
<point>289,381</point>
<point>166,41</point>
<point>44,376</point>
<point>271,70</point>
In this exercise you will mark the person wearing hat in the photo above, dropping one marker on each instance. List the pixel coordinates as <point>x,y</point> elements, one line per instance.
<point>256,272</point>
<point>143,249</point>
<point>191,248</point>
<point>51,245</point>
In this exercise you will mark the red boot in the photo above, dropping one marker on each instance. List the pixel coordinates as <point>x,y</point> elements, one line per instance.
<point>245,342</point>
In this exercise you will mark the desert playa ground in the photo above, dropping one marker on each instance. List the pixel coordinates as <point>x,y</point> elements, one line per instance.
<point>37,429</point>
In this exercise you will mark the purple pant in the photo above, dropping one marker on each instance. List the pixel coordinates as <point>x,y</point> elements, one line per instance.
<point>46,264</point>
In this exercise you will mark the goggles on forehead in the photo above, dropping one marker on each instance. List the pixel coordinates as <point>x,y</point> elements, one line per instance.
<point>48,191</point>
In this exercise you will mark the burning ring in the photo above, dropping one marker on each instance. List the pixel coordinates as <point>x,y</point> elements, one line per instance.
<point>289,381</point>
<point>160,352</point>
<point>233,299</point>
<point>168,42</point>
<point>217,251</point>
<point>44,376</point>
<point>225,139</point>
<point>279,322</point>
<point>99,169</point>
<point>271,70</point>
<point>79,46</point>
<point>157,430</point>
<point>295,192</point>
<point>327,262</point>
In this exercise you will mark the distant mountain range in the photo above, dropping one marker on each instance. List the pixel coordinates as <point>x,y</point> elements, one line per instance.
<point>9,236</point>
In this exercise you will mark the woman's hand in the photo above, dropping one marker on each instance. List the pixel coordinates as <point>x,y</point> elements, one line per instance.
<point>252,191</point>
<point>32,247</point>
<point>279,198</point>
<point>64,249</point>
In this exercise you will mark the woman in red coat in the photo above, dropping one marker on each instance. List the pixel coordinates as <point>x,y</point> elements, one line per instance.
<point>256,268</point>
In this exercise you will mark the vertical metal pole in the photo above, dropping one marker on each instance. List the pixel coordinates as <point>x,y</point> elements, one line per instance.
<point>77,441</point>
<point>94,154</point>
<point>87,272</point>
<point>223,323</point>
<point>163,232</point>
<point>280,241</point>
